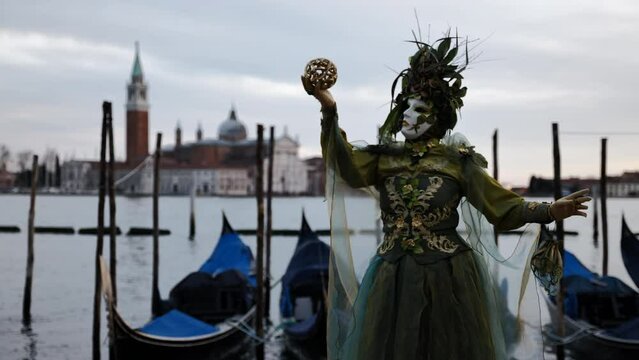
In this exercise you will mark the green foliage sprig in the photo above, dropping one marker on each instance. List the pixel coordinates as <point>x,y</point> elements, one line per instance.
<point>434,76</point>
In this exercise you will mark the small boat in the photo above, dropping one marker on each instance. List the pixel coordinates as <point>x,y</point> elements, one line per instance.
<point>601,314</point>
<point>303,297</point>
<point>207,315</point>
<point>630,251</point>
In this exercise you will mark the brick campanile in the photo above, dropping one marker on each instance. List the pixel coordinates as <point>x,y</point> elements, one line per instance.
<point>137,114</point>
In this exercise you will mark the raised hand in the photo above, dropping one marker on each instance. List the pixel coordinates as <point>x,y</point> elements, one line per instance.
<point>570,205</point>
<point>324,97</point>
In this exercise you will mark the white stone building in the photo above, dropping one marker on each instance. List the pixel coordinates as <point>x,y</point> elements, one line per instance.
<point>290,173</point>
<point>77,176</point>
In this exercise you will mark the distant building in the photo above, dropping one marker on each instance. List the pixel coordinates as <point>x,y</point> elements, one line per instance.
<point>7,180</point>
<point>135,180</point>
<point>626,185</point>
<point>78,176</point>
<point>545,187</point>
<point>226,165</point>
<point>290,173</point>
<point>316,176</point>
<point>222,166</point>
<point>208,166</point>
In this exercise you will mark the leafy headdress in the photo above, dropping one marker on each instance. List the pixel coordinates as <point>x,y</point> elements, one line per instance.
<point>434,76</point>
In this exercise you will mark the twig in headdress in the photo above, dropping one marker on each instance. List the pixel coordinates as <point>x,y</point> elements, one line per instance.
<point>466,51</point>
<point>391,69</point>
<point>419,28</point>
<point>384,104</point>
<point>416,41</point>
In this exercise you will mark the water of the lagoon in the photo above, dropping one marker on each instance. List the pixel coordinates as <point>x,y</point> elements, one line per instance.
<point>64,265</point>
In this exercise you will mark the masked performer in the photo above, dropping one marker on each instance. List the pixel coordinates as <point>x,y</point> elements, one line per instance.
<point>430,293</point>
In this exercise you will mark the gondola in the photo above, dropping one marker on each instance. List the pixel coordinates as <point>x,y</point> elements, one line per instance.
<point>207,315</point>
<point>303,297</point>
<point>601,314</point>
<point>630,251</point>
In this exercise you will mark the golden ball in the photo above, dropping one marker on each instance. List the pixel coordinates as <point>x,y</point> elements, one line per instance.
<point>320,72</point>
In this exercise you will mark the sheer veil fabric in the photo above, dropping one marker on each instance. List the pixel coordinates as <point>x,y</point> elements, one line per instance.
<point>507,281</point>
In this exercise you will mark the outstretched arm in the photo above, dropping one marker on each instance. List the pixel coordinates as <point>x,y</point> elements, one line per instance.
<point>507,210</point>
<point>356,167</point>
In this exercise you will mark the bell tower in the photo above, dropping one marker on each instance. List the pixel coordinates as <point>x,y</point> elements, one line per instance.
<point>178,135</point>
<point>137,114</point>
<point>199,133</point>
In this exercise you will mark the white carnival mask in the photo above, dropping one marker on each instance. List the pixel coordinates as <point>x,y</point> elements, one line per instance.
<point>417,119</point>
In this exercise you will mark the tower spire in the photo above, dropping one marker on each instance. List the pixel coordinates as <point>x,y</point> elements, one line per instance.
<point>136,72</point>
<point>198,134</point>
<point>137,113</point>
<point>233,113</point>
<point>178,134</point>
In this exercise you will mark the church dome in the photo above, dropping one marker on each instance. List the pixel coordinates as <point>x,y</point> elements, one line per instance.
<point>232,129</point>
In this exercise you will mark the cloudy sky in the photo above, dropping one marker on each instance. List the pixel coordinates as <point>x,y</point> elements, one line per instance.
<point>571,62</point>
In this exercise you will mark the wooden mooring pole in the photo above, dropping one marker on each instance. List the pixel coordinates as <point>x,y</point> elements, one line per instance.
<point>112,222</point>
<point>559,233</point>
<point>100,236</point>
<point>604,207</point>
<point>26,301</point>
<point>495,174</point>
<point>595,217</point>
<point>192,214</point>
<point>259,193</point>
<point>155,297</point>
<point>269,223</point>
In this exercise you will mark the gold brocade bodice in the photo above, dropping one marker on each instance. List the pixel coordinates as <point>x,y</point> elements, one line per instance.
<point>420,217</point>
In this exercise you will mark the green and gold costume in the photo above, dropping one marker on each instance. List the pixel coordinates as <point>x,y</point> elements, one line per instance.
<point>429,293</point>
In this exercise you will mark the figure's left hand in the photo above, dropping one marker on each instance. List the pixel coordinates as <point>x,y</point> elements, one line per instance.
<point>570,205</point>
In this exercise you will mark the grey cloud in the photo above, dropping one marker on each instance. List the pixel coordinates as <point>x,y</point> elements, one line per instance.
<point>540,62</point>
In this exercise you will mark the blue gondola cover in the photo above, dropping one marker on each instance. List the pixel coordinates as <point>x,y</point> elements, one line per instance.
<point>222,287</point>
<point>230,253</point>
<point>178,324</point>
<point>572,266</point>
<point>309,264</point>
<point>604,290</point>
<point>630,251</point>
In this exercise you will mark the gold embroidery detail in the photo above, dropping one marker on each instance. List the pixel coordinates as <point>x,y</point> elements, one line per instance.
<point>413,204</point>
<point>396,222</point>
<point>409,242</point>
<point>465,151</point>
<point>418,149</point>
<point>387,244</point>
<point>427,221</point>
<point>440,243</point>
<point>433,164</point>
<point>532,205</point>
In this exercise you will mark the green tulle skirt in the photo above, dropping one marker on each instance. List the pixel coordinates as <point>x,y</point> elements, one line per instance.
<point>410,311</point>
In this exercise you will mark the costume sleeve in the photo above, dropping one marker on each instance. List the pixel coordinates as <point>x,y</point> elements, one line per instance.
<point>503,208</point>
<point>357,167</point>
